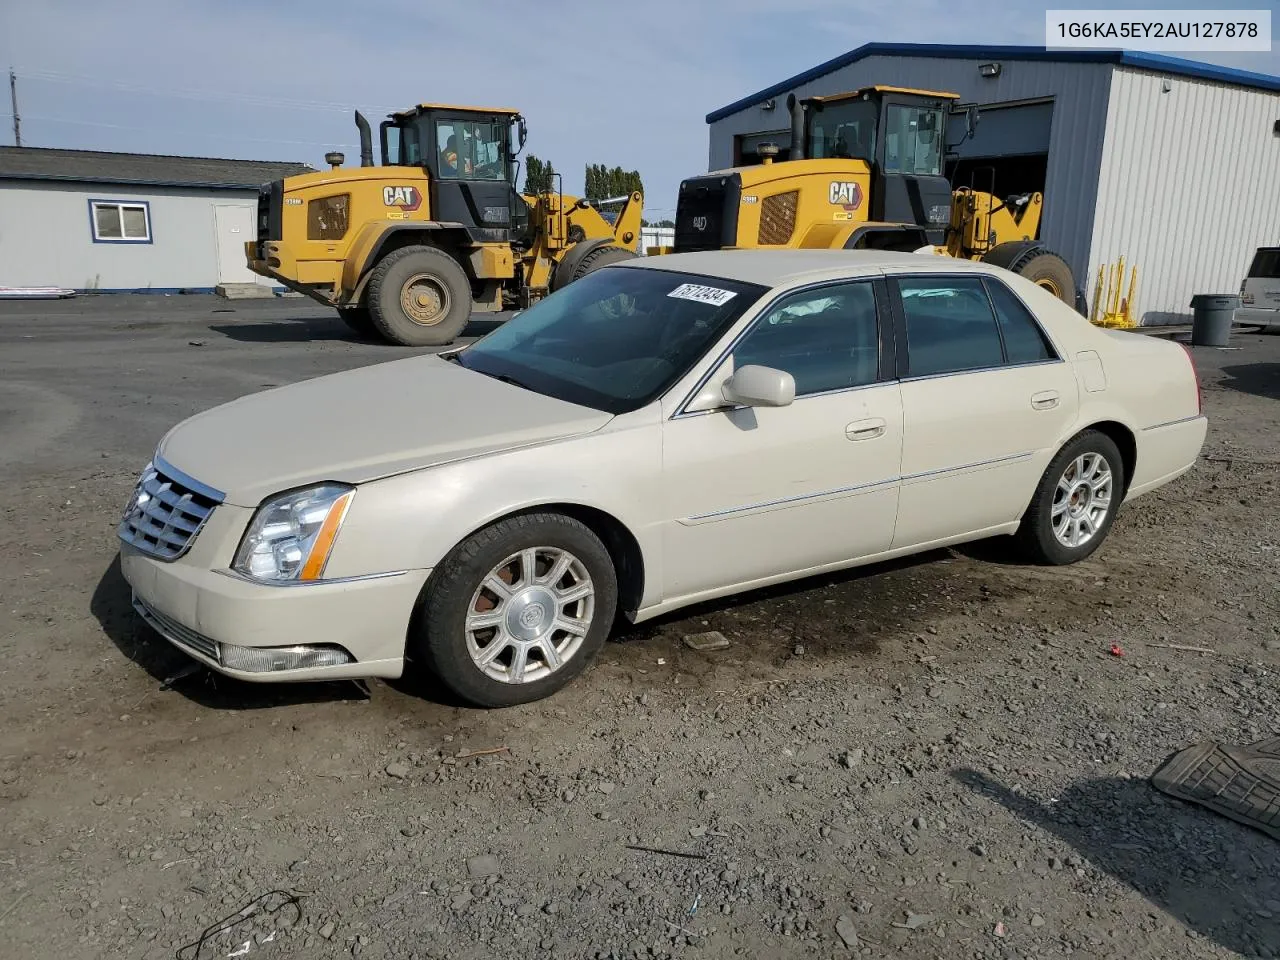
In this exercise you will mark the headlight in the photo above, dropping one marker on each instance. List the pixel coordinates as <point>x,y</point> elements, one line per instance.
<point>140,496</point>
<point>291,535</point>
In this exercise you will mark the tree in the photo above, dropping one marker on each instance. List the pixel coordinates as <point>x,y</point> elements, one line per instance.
<point>539,176</point>
<point>602,182</point>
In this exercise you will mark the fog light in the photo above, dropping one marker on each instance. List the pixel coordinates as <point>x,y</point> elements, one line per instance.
<point>271,659</point>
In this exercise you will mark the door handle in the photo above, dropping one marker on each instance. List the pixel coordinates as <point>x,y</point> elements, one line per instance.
<point>1044,401</point>
<point>866,429</point>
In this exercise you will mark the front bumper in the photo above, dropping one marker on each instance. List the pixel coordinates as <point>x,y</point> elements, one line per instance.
<point>197,609</point>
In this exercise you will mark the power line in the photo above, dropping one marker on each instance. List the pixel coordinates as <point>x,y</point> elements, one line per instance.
<point>195,133</point>
<point>198,94</point>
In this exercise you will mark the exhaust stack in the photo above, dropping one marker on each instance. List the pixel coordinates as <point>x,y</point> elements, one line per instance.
<point>366,140</point>
<point>797,109</point>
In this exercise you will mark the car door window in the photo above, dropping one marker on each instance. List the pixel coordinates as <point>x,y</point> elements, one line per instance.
<point>826,338</point>
<point>950,325</point>
<point>1024,341</point>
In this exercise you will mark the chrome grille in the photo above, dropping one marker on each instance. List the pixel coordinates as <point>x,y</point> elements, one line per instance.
<point>166,512</point>
<point>175,632</point>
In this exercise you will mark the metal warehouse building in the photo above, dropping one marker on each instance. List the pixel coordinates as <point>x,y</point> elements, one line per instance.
<point>117,222</point>
<point>1172,164</point>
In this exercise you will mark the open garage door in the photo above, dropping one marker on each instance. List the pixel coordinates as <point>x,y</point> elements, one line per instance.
<point>746,148</point>
<point>1009,151</point>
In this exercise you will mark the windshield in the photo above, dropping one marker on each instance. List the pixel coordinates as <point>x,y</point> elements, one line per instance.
<point>614,340</point>
<point>912,143</point>
<point>471,150</point>
<point>844,130</point>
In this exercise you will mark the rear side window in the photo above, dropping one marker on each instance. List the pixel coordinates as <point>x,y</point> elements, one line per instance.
<point>950,326</point>
<point>1024,341</point>
<point>1266,264</point>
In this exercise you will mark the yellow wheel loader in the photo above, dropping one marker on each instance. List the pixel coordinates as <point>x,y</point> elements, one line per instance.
<point>866,171</point>
<point>409,249</point>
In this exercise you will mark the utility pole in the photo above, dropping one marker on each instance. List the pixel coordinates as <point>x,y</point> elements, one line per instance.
<point>13,97</point>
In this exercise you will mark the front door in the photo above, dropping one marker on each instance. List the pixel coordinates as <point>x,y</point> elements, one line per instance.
<point>233,225</point>
<point>471,184</point>
<point>985,401</point>
<point>755,492</point>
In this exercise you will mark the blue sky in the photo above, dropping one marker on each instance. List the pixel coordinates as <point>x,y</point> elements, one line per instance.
<point>619,83</point>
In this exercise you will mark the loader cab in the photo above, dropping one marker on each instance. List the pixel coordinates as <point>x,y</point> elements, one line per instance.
<point>469,153</point>
<point>900,133</point>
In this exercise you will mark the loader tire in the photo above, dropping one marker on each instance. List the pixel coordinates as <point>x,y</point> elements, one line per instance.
<point>419,297</point>
<point>602,257</point>
<point>1050,272</point>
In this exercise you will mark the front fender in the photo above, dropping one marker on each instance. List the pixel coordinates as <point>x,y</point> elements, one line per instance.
<point>412,521</point>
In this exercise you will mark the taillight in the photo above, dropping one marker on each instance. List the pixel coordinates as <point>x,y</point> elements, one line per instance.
<point>1196,374</point>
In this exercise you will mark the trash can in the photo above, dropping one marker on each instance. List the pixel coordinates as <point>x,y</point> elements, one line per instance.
<point>1214,314</point>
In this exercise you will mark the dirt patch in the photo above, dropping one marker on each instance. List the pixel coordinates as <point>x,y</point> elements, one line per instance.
<point>934,758</point>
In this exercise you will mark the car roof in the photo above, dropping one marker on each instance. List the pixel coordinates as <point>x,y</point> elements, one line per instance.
<point>781,268</point>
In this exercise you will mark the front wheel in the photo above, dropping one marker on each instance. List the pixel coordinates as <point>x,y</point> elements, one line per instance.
<point>517,610</point>
<point>1051,273</point>
<point>1076,501</point>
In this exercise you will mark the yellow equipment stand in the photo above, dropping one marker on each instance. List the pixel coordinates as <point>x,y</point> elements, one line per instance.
<point>1109,309</point>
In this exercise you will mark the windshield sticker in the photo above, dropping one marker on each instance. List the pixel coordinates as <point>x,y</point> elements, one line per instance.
<point>700,294</point>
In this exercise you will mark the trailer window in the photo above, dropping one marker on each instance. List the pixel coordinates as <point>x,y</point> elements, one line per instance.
<point>471,150</point>
<point>1266,263</point>
<point>912,140</point>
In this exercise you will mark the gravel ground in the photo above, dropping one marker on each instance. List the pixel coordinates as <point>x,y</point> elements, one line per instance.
<point>933,758</point>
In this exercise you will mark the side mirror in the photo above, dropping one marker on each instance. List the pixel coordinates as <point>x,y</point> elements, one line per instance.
<point>756,386</point>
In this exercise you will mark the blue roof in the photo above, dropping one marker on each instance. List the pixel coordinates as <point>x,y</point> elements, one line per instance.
<point>1142,61</point>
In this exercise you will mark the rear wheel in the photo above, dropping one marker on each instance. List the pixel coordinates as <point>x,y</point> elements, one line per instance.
<point>1076,502</point>
<point>517,610</point>
<point>419,297</point>
<point>359,322</point>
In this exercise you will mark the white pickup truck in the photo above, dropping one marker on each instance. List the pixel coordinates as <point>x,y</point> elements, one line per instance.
<point>1260,289</point>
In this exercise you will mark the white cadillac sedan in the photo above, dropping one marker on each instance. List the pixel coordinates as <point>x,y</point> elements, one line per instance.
<point>660,432</point>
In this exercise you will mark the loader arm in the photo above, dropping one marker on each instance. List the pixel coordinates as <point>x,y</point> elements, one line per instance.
<point>626,228</point>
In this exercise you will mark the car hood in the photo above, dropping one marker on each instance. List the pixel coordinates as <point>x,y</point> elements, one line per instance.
<point>364,424</point>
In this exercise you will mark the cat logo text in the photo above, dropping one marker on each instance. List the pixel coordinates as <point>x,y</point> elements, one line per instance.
<point>406,198</point>
<point>846,193</point>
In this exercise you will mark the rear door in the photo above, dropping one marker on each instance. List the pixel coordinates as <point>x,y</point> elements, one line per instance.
<point>985,400</point>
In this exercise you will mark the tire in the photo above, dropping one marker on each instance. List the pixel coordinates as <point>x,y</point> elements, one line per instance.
<point>1050,271</point>
<point>359,322</point>
<point>602,257</point>
<point>562,275</point>
<point>438,277</point>
<point>442,641</point>
<point>1036,535</point>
